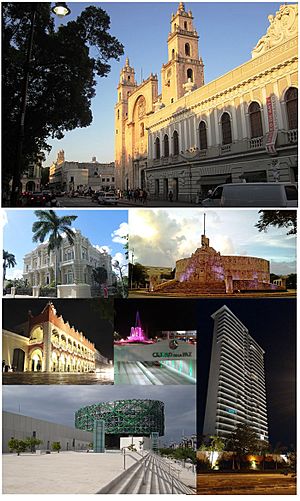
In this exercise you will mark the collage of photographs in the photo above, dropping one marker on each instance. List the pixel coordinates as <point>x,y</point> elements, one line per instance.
<point>149,221</point>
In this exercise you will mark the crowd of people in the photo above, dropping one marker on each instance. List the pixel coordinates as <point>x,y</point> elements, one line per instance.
<point>136,195</point>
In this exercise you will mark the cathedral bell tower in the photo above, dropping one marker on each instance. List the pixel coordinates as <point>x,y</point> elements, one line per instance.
<point>127,85</point>
<point>184,64</point>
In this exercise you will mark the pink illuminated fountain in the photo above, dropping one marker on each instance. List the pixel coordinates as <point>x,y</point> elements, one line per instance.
<point>137,335</point>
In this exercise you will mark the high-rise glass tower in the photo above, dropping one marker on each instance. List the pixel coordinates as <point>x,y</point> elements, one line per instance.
<point>236,387</point>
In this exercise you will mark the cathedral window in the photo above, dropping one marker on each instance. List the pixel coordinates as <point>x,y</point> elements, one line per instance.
<point>128,77</point>
<point>166,145</point>
<point>291,101</point>
<point>187,49</point>
<point>256,129</point>
<point>226,129</point>
<point>118,114</point>
<point>189,74</point>
<point>175,143</point>
<point>202,135</point>
<point>157,148</point>
<point>173,53</point>
<point>185,25</point>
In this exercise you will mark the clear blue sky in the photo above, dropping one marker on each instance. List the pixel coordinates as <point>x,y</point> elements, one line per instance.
<point>101,227</point>
<point>227,31</point>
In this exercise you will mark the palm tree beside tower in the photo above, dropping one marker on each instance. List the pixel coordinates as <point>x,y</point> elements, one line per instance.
<point>50,225</point>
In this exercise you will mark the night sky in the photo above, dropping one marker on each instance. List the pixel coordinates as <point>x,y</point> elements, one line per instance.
<point>272,323</point>
<point>155,314</point>
<point>93,317</point>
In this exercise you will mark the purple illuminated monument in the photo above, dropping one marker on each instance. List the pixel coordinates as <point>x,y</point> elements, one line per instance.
<point>137,335</point>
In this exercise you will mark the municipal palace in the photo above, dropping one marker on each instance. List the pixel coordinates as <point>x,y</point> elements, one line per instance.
<point>48,343</point>
<point>196,135</point>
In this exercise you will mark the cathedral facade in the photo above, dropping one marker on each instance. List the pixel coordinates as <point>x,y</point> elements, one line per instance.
<point>194,136</point>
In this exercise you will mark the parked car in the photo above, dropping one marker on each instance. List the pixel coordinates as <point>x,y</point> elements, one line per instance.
<point>40,199</point>
<point>108,198</point>
<point>253,195</point>
<point>36,199</point>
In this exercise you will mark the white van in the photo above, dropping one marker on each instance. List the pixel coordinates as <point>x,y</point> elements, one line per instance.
<point>253,195</point>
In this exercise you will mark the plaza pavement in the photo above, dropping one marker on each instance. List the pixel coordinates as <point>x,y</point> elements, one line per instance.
<point>66,472</point>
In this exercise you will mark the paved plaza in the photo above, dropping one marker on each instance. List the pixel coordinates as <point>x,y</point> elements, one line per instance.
<point>72,472</point>
<point>105,376</point>
<point>61,473</point>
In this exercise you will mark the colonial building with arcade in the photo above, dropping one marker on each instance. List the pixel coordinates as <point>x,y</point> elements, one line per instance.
<point>48,344</point>
<point>196,135</point>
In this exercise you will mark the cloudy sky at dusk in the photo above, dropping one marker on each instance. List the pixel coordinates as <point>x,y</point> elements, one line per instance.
<point>159,237</point>
<point>59,403</point>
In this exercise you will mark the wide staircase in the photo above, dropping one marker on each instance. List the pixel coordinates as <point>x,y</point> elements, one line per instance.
<point>191,288</point>
<point>148,475</point>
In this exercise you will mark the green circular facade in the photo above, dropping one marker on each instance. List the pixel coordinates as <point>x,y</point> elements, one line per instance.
<point>124,417</point>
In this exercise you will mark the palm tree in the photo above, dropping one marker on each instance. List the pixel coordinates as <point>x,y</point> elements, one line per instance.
<point>49,223</point>
<point>9,261</point>
<point>217,444</point>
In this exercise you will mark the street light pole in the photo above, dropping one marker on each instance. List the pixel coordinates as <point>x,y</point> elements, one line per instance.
<point>131,276</point>
<point>187,159</point>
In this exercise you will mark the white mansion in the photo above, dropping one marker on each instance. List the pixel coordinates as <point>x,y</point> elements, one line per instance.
<point>75,264</point>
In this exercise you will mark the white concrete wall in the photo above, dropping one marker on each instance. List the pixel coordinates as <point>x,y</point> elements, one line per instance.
<point>19,426</point>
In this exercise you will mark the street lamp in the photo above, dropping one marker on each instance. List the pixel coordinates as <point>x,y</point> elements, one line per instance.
<point>193,153</point>
<point>63,10</point>
<point>132,261</point>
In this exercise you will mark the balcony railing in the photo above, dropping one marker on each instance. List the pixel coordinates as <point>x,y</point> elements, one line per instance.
<point>256,142</point>
<point>293,136</point>
<point>225,148</point>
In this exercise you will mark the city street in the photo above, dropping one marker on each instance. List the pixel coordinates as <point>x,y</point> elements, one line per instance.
<point>122,203</point>
<point>245,483</point>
